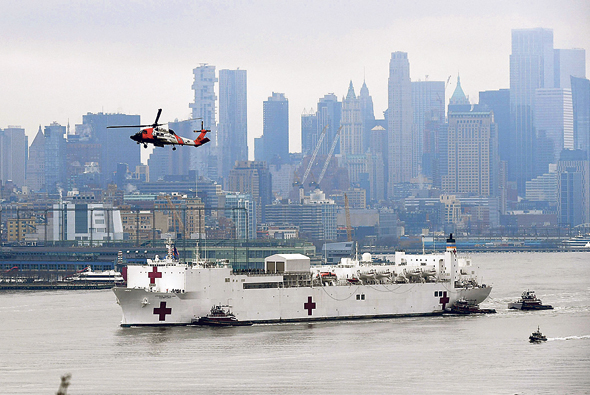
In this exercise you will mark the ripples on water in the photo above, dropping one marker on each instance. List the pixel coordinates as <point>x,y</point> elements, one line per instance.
<point>46,334</point>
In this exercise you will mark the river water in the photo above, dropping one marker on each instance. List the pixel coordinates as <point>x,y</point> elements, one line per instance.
<point>45,334</point>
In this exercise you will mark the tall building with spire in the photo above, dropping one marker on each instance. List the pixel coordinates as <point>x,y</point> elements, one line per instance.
<point>35,177</point>
<point>204,110</point>
<point>232,135</point>
<point>351,142</point>
<point>531,68</point>
<point>400,122</point>
<point>367,115</point>
<point>459,102</point>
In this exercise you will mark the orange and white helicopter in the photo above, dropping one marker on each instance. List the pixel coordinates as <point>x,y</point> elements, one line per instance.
<point>159,137</point>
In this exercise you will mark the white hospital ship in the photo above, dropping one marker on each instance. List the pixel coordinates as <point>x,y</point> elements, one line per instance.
<point>168,292</point>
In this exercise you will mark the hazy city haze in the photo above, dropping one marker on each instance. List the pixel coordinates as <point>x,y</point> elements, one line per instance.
<point>62,59</point>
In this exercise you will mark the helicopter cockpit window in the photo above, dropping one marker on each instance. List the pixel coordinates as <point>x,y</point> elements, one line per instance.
<point>172,131</point>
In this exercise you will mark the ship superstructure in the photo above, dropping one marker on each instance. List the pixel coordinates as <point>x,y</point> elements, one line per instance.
<point>168,292</point>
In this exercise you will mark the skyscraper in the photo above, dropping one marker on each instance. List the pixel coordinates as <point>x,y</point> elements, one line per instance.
<point>329,114</point>
<point>55,158</point>
<point>400,121</point>
<point>581,110</point>
<point>367,114</point>
<point>164,161</point>
<point>13,155</point>
<point>351,142</point>
<point>531,68</point>
<point>253,178</point>
<point>499,103</point>
<point>232,136</point>
<point>573,185</point>
<point>309,132</point>
<point>35,177</point>
<point>553,121</point>
<point>116,147</point>
<point>568,63</point>
<point>276,129</point>
<point>472,154</point>
<point>428,103</point>
<point>203,107</point>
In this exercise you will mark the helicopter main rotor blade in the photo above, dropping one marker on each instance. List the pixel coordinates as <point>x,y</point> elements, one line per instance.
<point>157,117</point>
<point>128,126</point>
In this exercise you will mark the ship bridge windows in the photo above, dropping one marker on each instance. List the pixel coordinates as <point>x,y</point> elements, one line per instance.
<point>360,297</point>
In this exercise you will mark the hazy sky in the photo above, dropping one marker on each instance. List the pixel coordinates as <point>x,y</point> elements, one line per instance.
<point>62,58</point>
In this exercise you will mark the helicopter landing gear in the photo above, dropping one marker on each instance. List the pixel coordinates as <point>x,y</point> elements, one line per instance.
<point>173,148</point>
<point>145,146</point>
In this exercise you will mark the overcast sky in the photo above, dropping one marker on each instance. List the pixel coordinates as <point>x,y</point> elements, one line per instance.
<point>62,58</point>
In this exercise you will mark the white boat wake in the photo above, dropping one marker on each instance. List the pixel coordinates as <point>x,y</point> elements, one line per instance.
<point>569,338</point>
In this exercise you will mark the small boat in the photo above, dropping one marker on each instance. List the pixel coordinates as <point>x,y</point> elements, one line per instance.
<point>537,337</point>
<point>528,301</point>
<point>220,316</point>
<point>463,306</point>
<point>86,275</point>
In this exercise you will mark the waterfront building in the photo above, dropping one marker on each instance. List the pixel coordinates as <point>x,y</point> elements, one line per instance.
<point>13,155</point>
<point>232,132</point>
<point>275,137</point>
<point>400,122</point>
<point>531,68</point>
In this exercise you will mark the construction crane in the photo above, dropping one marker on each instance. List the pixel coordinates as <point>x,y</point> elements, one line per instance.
<point>315,153</point>
<point>347,212</point>
<point>321,177</point>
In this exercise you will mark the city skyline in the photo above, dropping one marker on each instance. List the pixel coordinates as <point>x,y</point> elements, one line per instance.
<point>63,60</point>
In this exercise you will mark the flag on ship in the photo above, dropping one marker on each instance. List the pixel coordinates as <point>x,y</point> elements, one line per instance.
<point>175,253</point>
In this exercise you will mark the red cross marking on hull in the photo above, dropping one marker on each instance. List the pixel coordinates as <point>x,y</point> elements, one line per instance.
<point>154,274</point>
<point>162,311</point>
<point>309,306</point>
<point>444,300</point>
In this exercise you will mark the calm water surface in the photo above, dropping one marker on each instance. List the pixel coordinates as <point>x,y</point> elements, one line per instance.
<point>48,334</point>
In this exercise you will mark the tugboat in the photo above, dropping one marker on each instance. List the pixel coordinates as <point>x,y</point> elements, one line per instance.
<point>528,301</point>
<point>220,316</point>
<point>537,337</point>
<point>464,307</point>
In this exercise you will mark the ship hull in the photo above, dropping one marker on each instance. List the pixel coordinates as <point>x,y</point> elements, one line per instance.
<point>298,304</point>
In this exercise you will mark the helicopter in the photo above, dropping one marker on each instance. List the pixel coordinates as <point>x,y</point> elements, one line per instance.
<point>159,137</point>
